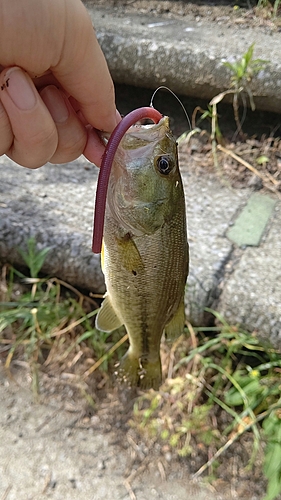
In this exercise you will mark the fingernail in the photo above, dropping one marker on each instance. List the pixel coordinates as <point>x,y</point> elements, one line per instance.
<point>20,88</point>
<point>55,103</point>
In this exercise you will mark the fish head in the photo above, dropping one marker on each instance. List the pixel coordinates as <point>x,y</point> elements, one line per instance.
<point>145,184</point>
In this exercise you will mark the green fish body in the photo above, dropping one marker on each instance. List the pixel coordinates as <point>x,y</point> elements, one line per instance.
<point>145,250</point>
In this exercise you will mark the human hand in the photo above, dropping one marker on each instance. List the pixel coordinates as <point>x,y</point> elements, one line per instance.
<point>55,87</point>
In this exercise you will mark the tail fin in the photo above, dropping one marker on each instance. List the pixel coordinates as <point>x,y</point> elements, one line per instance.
<point>140,373</point>
<point>150,376</point>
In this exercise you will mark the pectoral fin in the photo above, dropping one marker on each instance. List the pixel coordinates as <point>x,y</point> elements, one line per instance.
<point>175,327</point>
<point>129,254</point>
<point>107,319</point>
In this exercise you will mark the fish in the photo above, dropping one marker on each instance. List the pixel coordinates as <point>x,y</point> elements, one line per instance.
<point>145,255</point>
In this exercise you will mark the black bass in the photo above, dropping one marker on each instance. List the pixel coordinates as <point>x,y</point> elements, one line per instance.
<point>145,249</point>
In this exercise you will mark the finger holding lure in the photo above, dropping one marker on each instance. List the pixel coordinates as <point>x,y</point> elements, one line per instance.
<point>140,214</point>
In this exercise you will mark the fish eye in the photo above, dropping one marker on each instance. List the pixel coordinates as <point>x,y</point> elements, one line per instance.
<point>164,165</point>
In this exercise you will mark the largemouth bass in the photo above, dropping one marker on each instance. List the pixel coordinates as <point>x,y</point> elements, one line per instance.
<point>145,249</point>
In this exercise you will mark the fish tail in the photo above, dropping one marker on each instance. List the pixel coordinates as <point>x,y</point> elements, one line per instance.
<point>128,371</point>
<point>150,375</point>
<point>137,372</point>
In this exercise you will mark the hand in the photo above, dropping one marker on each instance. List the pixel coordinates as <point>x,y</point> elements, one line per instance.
<point>55,87</point>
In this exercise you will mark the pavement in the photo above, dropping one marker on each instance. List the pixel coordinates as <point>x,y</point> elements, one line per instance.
<point>235,244</point>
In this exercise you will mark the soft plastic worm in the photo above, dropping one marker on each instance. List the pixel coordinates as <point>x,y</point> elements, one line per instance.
<point>107,160</point>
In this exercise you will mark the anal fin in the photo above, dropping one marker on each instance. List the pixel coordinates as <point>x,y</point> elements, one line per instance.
<point>175,327</point>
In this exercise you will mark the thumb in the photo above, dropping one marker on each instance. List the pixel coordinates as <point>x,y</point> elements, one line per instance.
<point>82,71</point>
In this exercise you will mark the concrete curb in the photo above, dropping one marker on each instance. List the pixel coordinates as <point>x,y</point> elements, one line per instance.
<point>54,204</point>
<point>187,56</point>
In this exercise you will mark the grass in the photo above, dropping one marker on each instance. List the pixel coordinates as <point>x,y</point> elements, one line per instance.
<point>46,321</point>
<point>271,8</point>
<point>220,383</point>
<point>227,385</point>
<point>242,74</point>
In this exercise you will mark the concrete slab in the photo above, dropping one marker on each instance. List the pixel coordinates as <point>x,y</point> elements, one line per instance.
<point>55,204</point>
<point>185,55</point>
<point>211,206</point>
<point>251,295</point>
<point>250,224</point>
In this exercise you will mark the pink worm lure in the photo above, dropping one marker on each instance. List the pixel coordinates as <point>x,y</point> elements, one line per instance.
<point>106,164</point>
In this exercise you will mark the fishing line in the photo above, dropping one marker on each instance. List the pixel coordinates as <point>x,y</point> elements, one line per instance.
<point>177,98</point>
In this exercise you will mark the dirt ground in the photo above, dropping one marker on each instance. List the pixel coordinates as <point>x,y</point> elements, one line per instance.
<point>58,446</point>
<point>64,435</point>
<point>241,13</point>
<point>238,161</point>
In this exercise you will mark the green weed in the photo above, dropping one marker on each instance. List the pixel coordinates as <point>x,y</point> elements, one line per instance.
<point>242,73</point>
<point>228,378</point>
<point>33,257</point>
<point>45,320</point>
<point>220,382</point>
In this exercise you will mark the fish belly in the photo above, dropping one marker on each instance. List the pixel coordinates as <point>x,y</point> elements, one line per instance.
<point>145,279</point>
